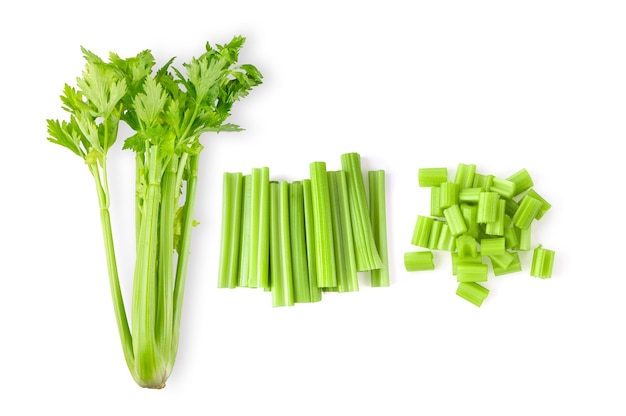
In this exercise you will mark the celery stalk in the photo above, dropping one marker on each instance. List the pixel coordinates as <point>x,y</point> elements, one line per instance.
<point>345,256</point>
<point>323,224</point>
<point>378,210</point>
<point>258,262</point>
<point>309,230</point>
<point>367,257</point>
<point>232,195</point>
<point>280,245</point>
<point>300,268</point>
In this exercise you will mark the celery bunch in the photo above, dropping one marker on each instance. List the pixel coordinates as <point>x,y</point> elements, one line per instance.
<point>168,110</point>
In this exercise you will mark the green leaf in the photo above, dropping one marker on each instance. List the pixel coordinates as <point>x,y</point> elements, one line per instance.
<point>62,134</point>
<point>149,104</point>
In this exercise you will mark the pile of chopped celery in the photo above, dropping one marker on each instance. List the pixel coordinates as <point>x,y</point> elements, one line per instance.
<point>300,239</point>
<point>480,219</point>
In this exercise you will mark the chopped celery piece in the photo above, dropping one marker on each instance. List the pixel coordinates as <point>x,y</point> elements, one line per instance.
<point>497,227</point>
<point>502,260</point>
<point>421,232</point>
<point>528,209</point>
<point>511,207</point>
<point>280,245</point>
<point>472,292</point>
<point>297,235</point>
<point>513,267</point>
<point>447,242</point>
<point>431,177</point>
<point>309,229</point>
<point>435,233</point>
<point>511,238</point>
<point>488,207</point>
<point>378,211</point>
<point>259,228</point>
<point>523,239</point>
<point>522,180</point>
<point>466,246</point>
<point>503,187</point>
<point>470,215</point>
<point>492,246</point>
<point>545,204</point>
<point>448,194</point>
<point>367,257</point>
<point>464,176</point>
<point>469,195</point>
<point>455,220</point>
<point>323,223</point>
<point>232,195</point>
<point>345,258</point>
<point>543,261</point>
<point>456,259</point>
<point>435,202</point>
<point>416,261</point>
<point>483,181</point>
<point>471,271</point>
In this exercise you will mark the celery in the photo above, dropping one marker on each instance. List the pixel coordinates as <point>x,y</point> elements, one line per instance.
<point>309,230</point>
<point>244,239</point>
<point>492,246</point>
<point>455,220</point>
<point>378,211</point>
<point>543,262</point>
<point>367,257</point>
<point>432,177</point>
<point>345,256</point>
<point>259,248</point>
<point>472,292</point>
<point>466,246</point>
<point>528,210</point>
<point>280,245</point>
<point>488,207</point>
<point>421,232</point>
<point>300,268</point>
<point>435,233</point>
<point>435,202</point>
<point>471,272</point>
<point>464,176</point>
<point>448,194</point>
<point>522,180</point>
<point>418,261</point>
<point>503,187</point>
<point>323,224</point>
<point>499,267</point>
<point>447,242</point>
<point>231,230</point>
<point>168,112</point>
<point>470,195</point>
<point>545,205</point>
<point>496,227</point>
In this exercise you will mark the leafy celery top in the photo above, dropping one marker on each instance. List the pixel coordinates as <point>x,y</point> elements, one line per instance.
<point>168,110</point>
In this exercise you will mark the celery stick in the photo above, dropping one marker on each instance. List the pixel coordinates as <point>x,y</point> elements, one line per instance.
<point>470,215</point>
<point>472,292</point>
<point>259,228</point>
<point>418,261</point>
<point>323,223</point>
<point>378,210</point>
<point>470,195</point>
<point>280,245</point>
<point>231,229</point>
<point>447,242</point>
<point>299,262</point>
<point>432,177</point>
<point>542,263</point>
<point>524,238</point>
<point>435,233</point>
<point>502,260</point>
<point>345,256</point>
<point>309,229</point>
<point>244,238</point>
<point>448,194</point>
<point>497,227</point>
<point>367,257</point>
<point>456,259</point>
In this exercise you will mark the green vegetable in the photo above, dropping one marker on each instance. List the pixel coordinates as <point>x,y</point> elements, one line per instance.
<point>280,245</point>
<point>169,111</point>
<point>479,217</point>
<point>378,212</point>
<point>418,261</point>
<point>231,229</point>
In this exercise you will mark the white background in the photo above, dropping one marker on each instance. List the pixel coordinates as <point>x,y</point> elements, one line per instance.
<point>504,85</point>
